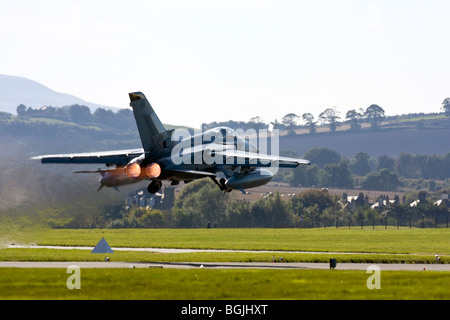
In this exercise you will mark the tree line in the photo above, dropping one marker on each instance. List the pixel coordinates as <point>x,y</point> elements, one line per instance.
<point>202,205</point>
<point>330,117</point>
<point>330,170</point>
<point>103,129</point>
<point>123,120</point>
<point>291,121</point>
<point>80,114</point>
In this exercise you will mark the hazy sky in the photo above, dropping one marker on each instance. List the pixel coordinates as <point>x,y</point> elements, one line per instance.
<point>203,61</point>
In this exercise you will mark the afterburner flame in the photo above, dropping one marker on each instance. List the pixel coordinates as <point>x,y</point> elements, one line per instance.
<point>133,170</point>
<point>153,170</point>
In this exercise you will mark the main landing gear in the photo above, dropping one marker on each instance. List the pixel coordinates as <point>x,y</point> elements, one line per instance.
<point>221,184</point>
<point>154,186</point>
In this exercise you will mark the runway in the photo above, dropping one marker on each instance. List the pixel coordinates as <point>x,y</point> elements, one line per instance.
<point>210,265</point>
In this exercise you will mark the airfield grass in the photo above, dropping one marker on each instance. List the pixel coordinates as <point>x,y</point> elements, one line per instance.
<point>379,240</point>
<point>317,245</point>
<point>294,245</point>
<point>354,245</point>
<point>207,284</point>
<point>26,254</point>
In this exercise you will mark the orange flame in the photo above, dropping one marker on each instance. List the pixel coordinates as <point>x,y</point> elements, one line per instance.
<point>153,170</point>
<point>133,170</point>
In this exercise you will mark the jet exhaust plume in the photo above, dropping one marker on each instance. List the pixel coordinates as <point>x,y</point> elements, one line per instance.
<point>35,197</point>
<point>133,170</point>
<point>153,170</point>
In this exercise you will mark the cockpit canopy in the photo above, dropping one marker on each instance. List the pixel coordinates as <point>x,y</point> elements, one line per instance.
<point>227,136</point>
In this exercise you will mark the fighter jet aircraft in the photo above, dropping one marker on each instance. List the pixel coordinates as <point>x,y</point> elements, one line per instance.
<point>170,155</point>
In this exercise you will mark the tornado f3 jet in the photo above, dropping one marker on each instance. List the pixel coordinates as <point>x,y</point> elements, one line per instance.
<point>175,155</point>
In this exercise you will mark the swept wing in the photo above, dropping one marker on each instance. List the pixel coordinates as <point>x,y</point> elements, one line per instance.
<point>252,159</point>
<point>118,157</point>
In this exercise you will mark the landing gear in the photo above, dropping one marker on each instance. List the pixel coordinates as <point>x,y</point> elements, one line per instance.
<point>221,184</point>
<point>154,186</point>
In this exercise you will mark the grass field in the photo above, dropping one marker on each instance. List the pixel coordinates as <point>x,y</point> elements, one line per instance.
<point>422,241</point>
<point>346,245</point>
<point>207,284</point>
<point>25,254</point>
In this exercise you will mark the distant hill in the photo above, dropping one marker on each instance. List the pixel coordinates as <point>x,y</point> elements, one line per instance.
<point>17,90</point>
<point>389,142</point>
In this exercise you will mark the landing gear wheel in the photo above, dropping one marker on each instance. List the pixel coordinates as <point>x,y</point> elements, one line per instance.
<point>154,186</point>
<point>221,184</point>
<point>224,186</point>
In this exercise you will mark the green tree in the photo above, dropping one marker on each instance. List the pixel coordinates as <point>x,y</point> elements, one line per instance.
<point>125,119</point>
<point>400,214</point>
<point>138,217</point>
<point>21,110</point>
<point>239,214</point>
<point>446,106</point>
<point>385,162</point>
<point>432,167</point>
<point>201,202</point>
<point>103,116</point>
<point>79,114</point>
<point>407,166</point>
<point>330,116</point>
<point>306,176</point>
<point>275,124</point>
<point>261,215</point>
<point>339,175</point>
<point>381,180</point>
<point>374,113</point>
<point>322,156</point>
<point>310,206</point>
<point>312,197</point>
<point>310,123</point>
<point>257,123</point>
<point>360,164</point>
<point>152,219</point>
<point>280,214</point>
<point>446,164</point>
<point>290,121</point>
<point>353,116</point>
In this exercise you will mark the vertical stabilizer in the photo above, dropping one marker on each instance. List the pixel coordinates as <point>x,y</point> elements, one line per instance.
<point>149,126</point>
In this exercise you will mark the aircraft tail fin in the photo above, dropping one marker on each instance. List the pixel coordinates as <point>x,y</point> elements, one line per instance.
<point>151,130</point>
